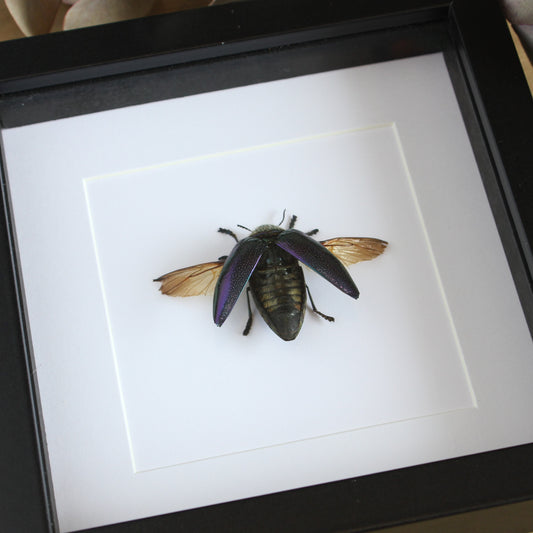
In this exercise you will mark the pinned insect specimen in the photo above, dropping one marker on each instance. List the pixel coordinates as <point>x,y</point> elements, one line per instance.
<point>268,260</point>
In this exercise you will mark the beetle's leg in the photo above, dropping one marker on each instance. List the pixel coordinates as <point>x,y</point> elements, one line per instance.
<point>327,317</point>
<point>292,221</point>
<point>250,316</point>
<point>228,232</point>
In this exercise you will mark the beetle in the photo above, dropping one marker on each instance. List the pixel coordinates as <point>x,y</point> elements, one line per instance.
<point>268,260</point>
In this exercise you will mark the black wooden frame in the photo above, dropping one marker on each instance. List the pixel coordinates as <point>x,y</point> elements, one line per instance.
<point>106,67</point>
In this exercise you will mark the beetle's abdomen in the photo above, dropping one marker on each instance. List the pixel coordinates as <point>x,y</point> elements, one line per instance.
<point>279,294</point>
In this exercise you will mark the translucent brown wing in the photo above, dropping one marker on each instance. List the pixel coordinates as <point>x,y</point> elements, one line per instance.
<point>350,250</point>
<point>191,281</point>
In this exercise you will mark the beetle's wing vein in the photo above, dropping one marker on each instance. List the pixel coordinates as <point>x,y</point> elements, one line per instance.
<point>191,281</point>
<point>350,250</point>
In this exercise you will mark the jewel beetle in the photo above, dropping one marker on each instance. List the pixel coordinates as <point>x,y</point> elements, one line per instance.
<point>268,261</point>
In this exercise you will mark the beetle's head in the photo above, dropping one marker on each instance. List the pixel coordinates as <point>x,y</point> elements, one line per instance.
<point>266,228</point>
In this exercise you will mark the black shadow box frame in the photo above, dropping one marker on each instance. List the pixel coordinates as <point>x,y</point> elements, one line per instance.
<point>107,67</point>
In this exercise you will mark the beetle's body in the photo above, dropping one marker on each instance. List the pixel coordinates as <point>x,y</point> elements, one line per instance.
<point>278,288</point>
<point>268,261</point>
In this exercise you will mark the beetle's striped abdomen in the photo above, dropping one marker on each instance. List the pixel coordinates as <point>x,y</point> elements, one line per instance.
<point>278,287</point>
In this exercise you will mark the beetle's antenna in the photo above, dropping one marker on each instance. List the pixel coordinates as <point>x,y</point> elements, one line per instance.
<point>243,227</point>
<point>283,217</point>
